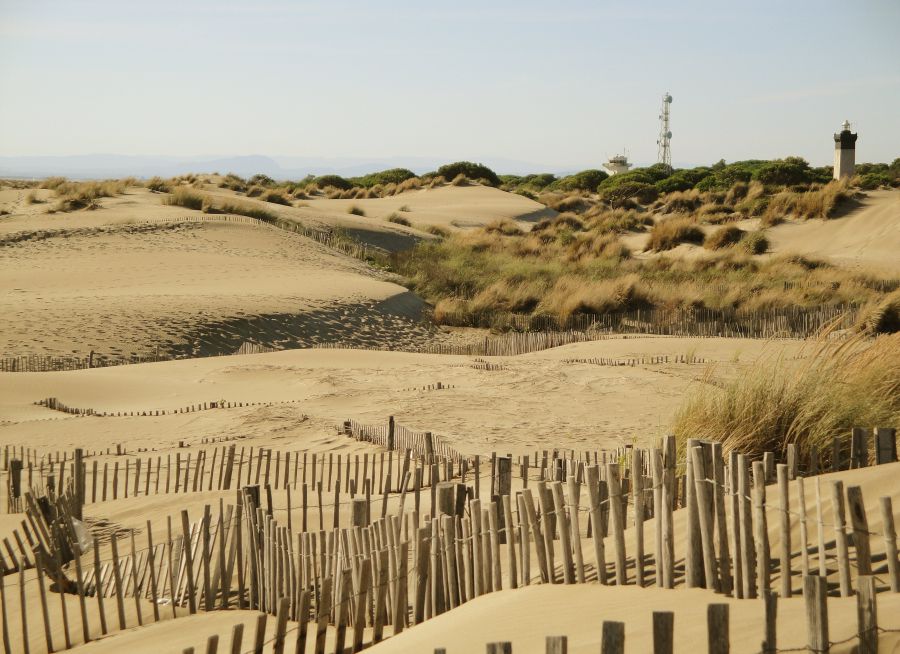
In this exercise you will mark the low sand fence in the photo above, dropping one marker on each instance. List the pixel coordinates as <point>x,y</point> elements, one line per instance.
<point>434,529</point>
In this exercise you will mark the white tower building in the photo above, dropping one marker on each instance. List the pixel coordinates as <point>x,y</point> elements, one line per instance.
<point>844,152</point>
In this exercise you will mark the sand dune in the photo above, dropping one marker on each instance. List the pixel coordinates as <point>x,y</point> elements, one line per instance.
<point>582,404</point>
<point>124,288</point>
<point>865,237</point>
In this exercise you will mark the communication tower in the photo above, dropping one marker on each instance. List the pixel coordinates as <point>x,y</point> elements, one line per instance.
<point>665,135</point>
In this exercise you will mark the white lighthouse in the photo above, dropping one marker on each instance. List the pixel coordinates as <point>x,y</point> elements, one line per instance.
<point>844,152</point>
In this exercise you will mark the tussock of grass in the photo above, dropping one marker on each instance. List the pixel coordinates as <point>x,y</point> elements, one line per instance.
<point>158,185</point>
<point>840,385</point>
<point>755,243</point>
<point>884,318</point>
<point>723,237</point>
<point>277,197</point>
<point>86,195</point>
<point>437,230</point>
<point>356,211</point>
<point>398,220</point>
<point>183,197</point>
<point>817,203</point>
<point>668,233</point>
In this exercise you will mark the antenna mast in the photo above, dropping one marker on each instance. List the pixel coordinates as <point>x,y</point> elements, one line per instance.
<point>665,135</point>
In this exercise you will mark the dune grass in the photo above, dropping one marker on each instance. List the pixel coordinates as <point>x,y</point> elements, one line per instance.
<point>73,196</point>
<point>183,197</point>
<point>356,210</point>
<point>671,232</point>
<point>839,384</point>
<point>816,203</point>
<point>397,219</point>
<point>578,264</point>
<point>723,237</point>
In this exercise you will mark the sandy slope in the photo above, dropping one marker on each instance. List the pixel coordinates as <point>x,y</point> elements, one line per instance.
<point>866,237</point>
<point>105,284</point>
<point>580,405</point>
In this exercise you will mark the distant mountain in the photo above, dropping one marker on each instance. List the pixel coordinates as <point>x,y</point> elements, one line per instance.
<point>93,166</point>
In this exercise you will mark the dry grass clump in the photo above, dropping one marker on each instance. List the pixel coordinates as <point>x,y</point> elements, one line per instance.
<point>397,219</point>
<point>668,233</point>
<point>460,180</point>
<point>32,198</point>
<point>437,230</point>
<point>840,384</point>
<point>356,210</point>
<point>158,185</point>
<point>86,195</point>
<point>723,237</point>
<point>277,197</point>
<point>816,203</point>
<point>755,242</point>
<point>184,197</point>
<point>503,226</point>
<point>571,295</point>
<point>884,317</point>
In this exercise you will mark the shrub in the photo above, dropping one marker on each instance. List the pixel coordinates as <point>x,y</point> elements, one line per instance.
<point>261,180</point>
<point>869,181</point>
<point>723,237</point>
<point>619,194</point>
<point>755,243</point>
<point>356,211</point>
<point>670,232</point>
<point>586,180</point>
<point>334,181</point>
<point>398,219</point>
<point>470,170</point>
<point>31,198</point>
<point>777,402</point>
<point>784,172</point>
<point>384,177</point>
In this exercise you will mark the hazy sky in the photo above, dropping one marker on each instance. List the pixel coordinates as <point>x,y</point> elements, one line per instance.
<point>555,83</point>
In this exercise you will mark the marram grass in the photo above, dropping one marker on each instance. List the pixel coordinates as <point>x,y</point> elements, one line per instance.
<point>835,385</point>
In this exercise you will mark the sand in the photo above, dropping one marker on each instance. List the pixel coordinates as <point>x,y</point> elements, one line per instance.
<point>863,238</point>
<point>582,405</point>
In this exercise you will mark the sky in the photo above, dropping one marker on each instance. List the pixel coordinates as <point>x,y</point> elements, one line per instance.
<point>562,84</point>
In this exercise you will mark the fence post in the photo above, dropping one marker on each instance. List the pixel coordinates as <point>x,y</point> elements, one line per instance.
<point>814,589</point>
<point>663,632</point>
<point>717,628</point>
<point>890,543</point>
<point>613,638</point>
<point>867,615</point>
